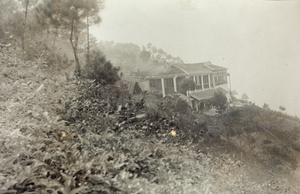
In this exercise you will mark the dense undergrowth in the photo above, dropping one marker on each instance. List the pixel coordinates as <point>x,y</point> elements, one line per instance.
<point>80,137</point>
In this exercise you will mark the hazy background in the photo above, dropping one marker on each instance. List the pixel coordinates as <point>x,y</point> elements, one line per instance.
<point>257,40</point>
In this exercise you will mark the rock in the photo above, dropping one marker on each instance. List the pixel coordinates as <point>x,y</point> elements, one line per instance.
<point>120,108</point>
<point>140,116</point>
<point>131,119</point>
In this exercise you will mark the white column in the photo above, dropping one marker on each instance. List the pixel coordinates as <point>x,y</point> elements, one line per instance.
<point>175,84</point>
<point>194,78</point>
<point>209,81</point>
<point>163,87</point>
<point>202,84</point>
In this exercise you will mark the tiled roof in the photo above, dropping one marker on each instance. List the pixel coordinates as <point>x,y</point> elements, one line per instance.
<point>200,68</point>
<point>216,68</point>
<point>169,71</point>
<point>185,70</point>
<point>206,94</point>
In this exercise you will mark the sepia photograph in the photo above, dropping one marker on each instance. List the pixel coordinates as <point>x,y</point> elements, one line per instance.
<point>150,96</point>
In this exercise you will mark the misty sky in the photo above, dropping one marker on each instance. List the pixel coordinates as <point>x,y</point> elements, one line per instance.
<point>257,40</point>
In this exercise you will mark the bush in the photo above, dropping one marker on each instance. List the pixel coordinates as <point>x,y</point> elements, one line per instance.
<point>219,100</point>
<point>100,70</point>
<point>185,85</point>
<point>265,106</point>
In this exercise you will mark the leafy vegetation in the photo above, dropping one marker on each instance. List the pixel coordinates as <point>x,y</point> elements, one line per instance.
<point>219,100</point>
<point>100,70</point>
<point>185,85</point>
<point>90,135</point>
<point>133,57</point>
<point>82,137</point>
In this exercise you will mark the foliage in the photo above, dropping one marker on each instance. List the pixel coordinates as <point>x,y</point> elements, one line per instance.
<point>219,100</point>
<point>73,14</point>
<point>79,136</point>
<point>282,108</point>
<point>266,106</point>
<point>82,137</point>
<point>100,70</point>
<point>7,7</point>
<point>278,137</point>
<point>134,58</point>
<point>185,85</point>
<point>245,96</point>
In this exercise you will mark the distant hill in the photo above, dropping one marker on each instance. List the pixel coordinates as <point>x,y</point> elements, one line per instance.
<point>132,57</point>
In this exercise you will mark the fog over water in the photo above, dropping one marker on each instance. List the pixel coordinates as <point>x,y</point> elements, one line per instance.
<point>257,40</point>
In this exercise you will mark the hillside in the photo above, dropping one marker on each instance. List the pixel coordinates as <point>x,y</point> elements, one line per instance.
<point>75,136</point>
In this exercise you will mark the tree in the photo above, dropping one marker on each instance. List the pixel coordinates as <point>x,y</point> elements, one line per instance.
<point>233,93</point>
<point>265,106</point>
<point>27,4</point>
<point>74,14</point>
<point>282,108</point>
<point>49,14</point>
<point>145,55</point>
<point>185,85</point>
<point>92,9</point>
<point>245,97</point>
<point>219,100</point>
<point>7,9</point>
<point>100,70</point>
<point>25,19</point>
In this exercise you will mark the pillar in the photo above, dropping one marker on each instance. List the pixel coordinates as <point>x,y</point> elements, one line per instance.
<point>213,80</point>
<point>163,87</point>
<point>202,83</point>
<point>175,84</point>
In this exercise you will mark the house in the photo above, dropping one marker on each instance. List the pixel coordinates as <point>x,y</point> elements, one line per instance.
<point>208,79</point>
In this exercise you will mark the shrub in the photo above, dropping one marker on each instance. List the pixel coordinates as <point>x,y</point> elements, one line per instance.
<point>185,85</point>
<point>282,108</point>
<point>181,106</point>
<point>100,70</point>
<point>219,100</point>
<point>266,106</point>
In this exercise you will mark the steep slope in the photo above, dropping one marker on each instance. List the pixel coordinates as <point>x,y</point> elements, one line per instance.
<point>79,137</point>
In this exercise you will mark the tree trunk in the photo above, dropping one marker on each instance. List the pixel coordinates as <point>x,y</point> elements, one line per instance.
<point>47,36</point>
<point>88,39</point>
<point>74,47</point>
<point>24,28</point>
<point>54,39</point>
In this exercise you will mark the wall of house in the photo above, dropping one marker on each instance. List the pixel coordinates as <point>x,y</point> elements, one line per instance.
<point>165,86</point>
<point>155,85</point>
<point>220,77</point>
<point>144,85</point>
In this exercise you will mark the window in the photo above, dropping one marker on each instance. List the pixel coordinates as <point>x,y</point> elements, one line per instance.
<point>205,81</point>
<point>169,85</point>
<point>155,84</point>
<point>221,78</point>
<point>198,83</point>
<point>169,82</point>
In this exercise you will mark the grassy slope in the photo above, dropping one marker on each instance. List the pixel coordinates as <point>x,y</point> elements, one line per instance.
<point>101,149</point>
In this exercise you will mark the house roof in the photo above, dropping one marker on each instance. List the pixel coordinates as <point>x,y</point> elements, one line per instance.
<point>200,68</point>
<point>206,94</point>
<point>186,70</point>
<point>168,71</point>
